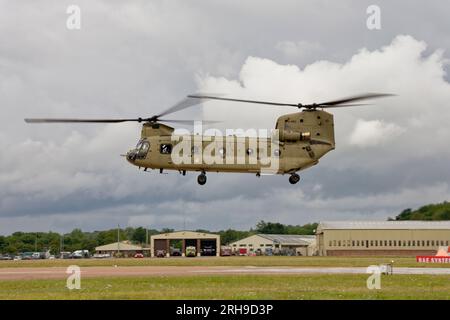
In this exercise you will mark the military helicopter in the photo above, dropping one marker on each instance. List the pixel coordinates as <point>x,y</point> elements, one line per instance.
<point>300,140</point>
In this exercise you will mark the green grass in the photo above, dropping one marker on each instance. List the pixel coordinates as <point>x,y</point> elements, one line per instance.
<point>233,287</point>
<point>229,261</point>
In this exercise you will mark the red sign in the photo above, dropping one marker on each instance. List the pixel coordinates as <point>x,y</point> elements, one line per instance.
<point>433,259</point>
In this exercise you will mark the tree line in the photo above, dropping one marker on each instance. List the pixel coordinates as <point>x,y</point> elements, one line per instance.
<point>78,239</point>
<point>434,212</point>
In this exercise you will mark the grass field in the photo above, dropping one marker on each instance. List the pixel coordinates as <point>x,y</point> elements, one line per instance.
<point>229,261</point>
<point>234,287</point>
<point>249,286</point>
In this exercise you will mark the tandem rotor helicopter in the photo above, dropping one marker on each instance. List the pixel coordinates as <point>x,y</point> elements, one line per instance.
<point>302,139</point>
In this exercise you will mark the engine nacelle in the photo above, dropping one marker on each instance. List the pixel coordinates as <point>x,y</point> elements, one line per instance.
<point>289,135</point>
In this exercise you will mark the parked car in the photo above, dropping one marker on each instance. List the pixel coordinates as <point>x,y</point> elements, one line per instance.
<point>17,258</point>
<point>80,254</point>
<point>64,255</point>
<point>6,257</point>
<point>101,255</point>
<point>191,251</point>
<point>160,253</point>
<point>176,252</point>
<point>26,255</point>
<point>225,251</point>
<point>40,255</point>
<point>138,255</point>
<point>242,251</point>
<point>36,255</point>
<point>208,251</point>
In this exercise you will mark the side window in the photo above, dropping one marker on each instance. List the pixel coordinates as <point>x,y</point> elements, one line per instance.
<point>165,149</point>
<point>195,150</point>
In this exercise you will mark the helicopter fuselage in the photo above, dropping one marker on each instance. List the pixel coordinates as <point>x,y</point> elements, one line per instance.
<point>299,141</point>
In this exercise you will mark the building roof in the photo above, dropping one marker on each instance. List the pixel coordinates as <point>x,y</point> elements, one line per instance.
<point>289,239</point>
<point>121,246</point>
<point>185,235</point>
<point>380,225</point>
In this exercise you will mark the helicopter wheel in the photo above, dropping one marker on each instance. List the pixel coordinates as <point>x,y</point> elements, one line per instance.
<point>294,178</point>
<point>201,179</point>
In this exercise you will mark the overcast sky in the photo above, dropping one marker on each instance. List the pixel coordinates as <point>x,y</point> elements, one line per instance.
<point>135,58</point>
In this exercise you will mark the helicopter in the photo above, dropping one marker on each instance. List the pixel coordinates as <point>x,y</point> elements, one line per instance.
<point>298,141</point>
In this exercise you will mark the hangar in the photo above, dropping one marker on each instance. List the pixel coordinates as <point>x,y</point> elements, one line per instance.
<point>288,244</point>
<point>204,243</point>
<point>122,249</point>
<point>409,238</point>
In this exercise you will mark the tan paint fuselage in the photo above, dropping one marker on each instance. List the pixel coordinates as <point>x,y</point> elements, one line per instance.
<point>303,138</point>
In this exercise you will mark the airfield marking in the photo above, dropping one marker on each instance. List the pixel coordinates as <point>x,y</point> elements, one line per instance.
<point>326,270</point>
<point>111,271</point>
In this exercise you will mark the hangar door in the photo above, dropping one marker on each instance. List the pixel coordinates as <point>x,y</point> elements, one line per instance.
<point>208,247</point>
<point>160,244</point>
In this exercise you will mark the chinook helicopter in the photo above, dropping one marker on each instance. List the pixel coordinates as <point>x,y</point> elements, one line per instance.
<point>300,139</point>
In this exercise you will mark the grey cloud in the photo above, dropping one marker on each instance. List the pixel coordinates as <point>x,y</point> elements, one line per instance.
<point>135,59</point>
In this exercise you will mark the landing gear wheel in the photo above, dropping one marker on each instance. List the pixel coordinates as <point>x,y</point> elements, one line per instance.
<point>294,178</point>
<point>201,179</point>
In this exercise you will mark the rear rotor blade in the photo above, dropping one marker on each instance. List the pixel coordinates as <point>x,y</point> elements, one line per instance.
<point>360,97</point>
<point>340,105</point>
<point>345,102</point>
<point>202,97</point>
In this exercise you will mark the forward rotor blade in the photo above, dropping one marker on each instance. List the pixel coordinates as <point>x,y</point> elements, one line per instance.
<point>64,120</point>
<point>202,97</point>
<point>189,122</point>
<point>183,104</point>
<point>360,97</point>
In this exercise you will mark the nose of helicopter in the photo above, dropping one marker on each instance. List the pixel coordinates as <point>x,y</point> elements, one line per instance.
<point>131,156</point>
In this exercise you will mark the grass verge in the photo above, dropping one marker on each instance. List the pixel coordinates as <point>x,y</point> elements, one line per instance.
<point>233,287</point>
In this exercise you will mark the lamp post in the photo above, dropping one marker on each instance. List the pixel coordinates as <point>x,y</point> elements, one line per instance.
<point>118,240</point>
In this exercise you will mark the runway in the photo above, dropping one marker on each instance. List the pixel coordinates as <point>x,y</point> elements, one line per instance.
<point>144,271</point>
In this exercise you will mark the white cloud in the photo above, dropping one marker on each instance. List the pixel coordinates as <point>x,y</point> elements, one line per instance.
<point>373,132</point>
<point>401,67</point>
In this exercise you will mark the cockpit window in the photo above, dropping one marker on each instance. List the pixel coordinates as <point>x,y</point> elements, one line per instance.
<point>142,148</point>
<point>139,144</point>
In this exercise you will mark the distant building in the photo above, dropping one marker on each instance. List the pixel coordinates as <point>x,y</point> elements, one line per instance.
<point>123,249</point>
<point>288,244</point>
<point>409,238</point>
<point>206,244</point>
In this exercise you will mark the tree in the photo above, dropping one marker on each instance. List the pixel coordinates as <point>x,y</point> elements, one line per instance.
<point>307,229</point>
<point>129,232</point>
<point>270,227</point>
<point>439,211</point>
<point>404,215</point>
<point>2,243</point>
<point>139,235</point>
<point>230,235</point>
<point>110,236</point>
